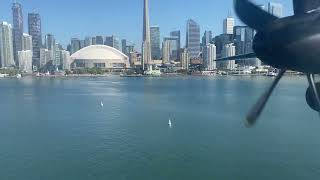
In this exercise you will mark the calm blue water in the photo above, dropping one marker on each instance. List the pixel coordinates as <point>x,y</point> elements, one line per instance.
<point>55,129</point>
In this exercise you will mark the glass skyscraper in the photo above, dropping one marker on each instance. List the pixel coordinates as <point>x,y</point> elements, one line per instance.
<point>112,41</point>
<point>17,19</point>
<point>6,47</point>
<point>177,34</point>
<point>99,40</point>
<point>155,42</point>
<point>34,26</point>
<point>75,45</point>
<point>193,39</point>
<point>173,47</point>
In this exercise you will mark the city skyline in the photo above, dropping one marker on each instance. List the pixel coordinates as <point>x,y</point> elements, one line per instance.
<point>130,18</point>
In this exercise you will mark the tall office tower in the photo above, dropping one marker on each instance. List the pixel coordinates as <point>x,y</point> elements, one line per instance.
<point>124,46</point>
<point>25,60</point>
<point>112,41</point>
<point>228,25</point>
<point>193,39</point>
<point>210,55</point>
<point>26,42</point>
<point>243,41</point>
<point>228,50</point>
<point>50,44</point>
<point>6,45</point>
<point>222,40</point>
<point>99,40</point>
<point>94,41</point>
<point>57,58</point>
<point>75,45</point>
<point>185,59</point>
<point>17,19</point>
<point>34,26</point>
<point>207,38</point>
<point>87,41</point>
<point>275,9</point>
<point>65,60</point>
<point>165,52</point>
<point>146,41</point>
<point>130,48</point>
<point>82,44</point>
<point>173,48</point>
<point>155,42</point>
<point>177,34</point>
<point>45,57</point>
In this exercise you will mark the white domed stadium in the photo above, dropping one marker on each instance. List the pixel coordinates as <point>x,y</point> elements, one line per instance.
<point>99,56</point>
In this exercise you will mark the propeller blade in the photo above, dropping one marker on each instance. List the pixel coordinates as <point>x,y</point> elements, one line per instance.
<point>256,111</point>
<point>253,15</point>
<point>314,89</point>
<point>242,56</point>
<point>305,6</point>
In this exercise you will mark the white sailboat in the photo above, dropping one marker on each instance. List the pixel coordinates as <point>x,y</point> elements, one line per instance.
<point>170,124</point>
<point>101,104</point>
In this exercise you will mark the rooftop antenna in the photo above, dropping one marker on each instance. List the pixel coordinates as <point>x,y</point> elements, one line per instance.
<point>229,13</point>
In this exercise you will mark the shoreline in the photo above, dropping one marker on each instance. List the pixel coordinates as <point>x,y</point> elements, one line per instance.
<point>144,76</point>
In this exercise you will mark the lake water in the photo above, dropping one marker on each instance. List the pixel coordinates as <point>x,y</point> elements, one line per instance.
<point>55,129</point>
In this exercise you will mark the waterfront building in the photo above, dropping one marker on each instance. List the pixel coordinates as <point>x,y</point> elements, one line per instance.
<point>17,30</point>
<point>146,40</point>
<point>193,39</point>
<point>65,60</point>
<point>228,25</point>
<point>99,40</point>
<point>26,42</point>
<point>210,55</point>
<point>228,50</point>
<point>100,56</point>
<point>6,45</point>
<point>155,42</point>
<point>275,9</point>
<point>45,58</point>
<point>166,52</point>
<point>25,60</point>
<point>34,27</point>
<point>185,59</point>
<point>57,58</point>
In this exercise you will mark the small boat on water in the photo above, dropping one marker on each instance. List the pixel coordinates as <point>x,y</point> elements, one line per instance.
<point>101,104</point>
<point>19,76</point>
<point>169,123</point>
<point>272,74</point>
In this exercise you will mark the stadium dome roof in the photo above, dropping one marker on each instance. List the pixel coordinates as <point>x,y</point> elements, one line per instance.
<point>99,52</point>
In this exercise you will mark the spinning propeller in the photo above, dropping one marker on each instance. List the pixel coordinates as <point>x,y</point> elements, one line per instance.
<point>284,43</point>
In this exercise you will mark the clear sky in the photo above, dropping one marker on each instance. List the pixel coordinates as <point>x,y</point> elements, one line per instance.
<point>80,18</point>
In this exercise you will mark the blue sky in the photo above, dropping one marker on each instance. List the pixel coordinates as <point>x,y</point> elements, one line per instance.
<point>80,18</point>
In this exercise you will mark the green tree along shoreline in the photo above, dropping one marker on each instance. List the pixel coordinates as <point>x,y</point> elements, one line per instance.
<point>94,71</point>
<point>10,72</point>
